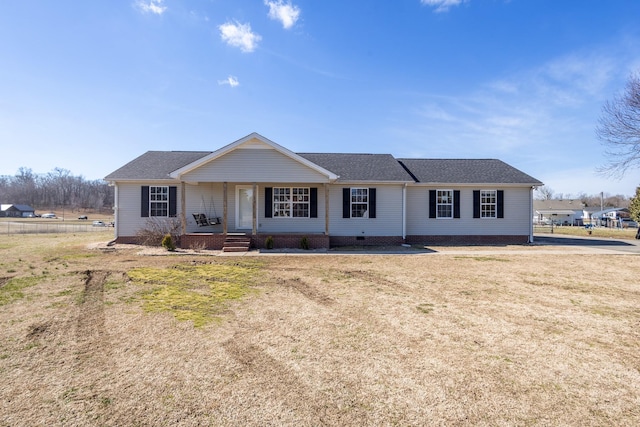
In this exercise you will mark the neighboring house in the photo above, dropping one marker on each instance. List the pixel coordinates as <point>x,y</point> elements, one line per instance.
<point>257,187</point>
<point>610,217</point>
<point>16,211</point>
<point>560,212</point>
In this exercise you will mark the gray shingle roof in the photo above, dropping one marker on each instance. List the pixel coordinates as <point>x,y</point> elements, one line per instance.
<point>360,167</point>
<point>466,171</point>
<point>155,165</point>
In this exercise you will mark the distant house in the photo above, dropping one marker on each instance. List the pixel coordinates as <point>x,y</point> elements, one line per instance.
<point>16,211</point>
<point>610,217</point>
<point>260,189</point>
<point>560,212</point>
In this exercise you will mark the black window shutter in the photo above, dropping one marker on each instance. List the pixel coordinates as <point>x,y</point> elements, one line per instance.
<point>456,203</point>
<point>346,203</point>
<point>372,203</point>
<point>500,203</point>
<point>144,201</point>
<point>313,202</point>
<point>476,203</point>
<point>268,202</point>
<point>173,201</point>
<point>432,203</point>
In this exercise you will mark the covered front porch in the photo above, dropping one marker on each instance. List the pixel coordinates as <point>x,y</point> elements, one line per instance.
<point>214,215</point>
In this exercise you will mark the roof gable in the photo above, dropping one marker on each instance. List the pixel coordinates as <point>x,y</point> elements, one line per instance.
<point>252,141</point>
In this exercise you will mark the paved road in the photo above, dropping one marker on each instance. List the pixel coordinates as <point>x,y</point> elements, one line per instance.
<point>616,245</point>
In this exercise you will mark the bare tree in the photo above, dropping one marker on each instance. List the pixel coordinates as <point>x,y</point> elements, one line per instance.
<point>544,193</point>
<point>619,129</point>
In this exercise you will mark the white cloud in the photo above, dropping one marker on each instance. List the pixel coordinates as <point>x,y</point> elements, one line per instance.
<point>151,6</point>
<point>239,35</point>
<point>286,13</point>
<point>442,5</point>
<point>231,81</point>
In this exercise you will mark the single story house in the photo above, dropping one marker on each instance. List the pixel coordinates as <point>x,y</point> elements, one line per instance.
<point>260,189</point>
<point>16,211</point>
<point>560,212</point>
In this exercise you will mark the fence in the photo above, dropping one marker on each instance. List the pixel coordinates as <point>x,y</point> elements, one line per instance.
<point>12,227</point>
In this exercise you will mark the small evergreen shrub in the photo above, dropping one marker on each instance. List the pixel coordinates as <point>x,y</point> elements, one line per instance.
<point>304,243</point>
<point>167,243</point>
<point>268,243</point>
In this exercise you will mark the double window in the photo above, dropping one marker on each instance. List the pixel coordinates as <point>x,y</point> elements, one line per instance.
<point>291,202</point>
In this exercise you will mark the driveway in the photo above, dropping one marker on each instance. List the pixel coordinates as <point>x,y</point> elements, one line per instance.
<point>615,245</point>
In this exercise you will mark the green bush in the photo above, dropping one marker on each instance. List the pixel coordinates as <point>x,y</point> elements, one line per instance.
<point>167,243</point>
<point>268,243</point>
<point>304,243</point>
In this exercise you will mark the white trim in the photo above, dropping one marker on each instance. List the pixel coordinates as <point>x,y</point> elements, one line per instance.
<point>237,218</point>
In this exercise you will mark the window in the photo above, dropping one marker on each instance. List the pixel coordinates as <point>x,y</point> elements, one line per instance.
<point>488,203</point>
<point>444,204</point>
<point>359,202</point>
<point>158,201</point>
<point>291,202</point>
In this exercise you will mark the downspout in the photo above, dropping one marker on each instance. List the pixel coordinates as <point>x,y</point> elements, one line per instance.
<point>404,212</point>
<point>531,215</point>
<point>116,214</point>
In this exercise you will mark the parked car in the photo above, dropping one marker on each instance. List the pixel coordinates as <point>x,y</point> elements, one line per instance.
<point>49,215</point>
<point>98,224</point>
<point>83,217</point>
<point>629,223</point>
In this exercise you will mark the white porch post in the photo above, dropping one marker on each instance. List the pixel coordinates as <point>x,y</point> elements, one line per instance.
<point>254,208</point>
<point>224,208</point>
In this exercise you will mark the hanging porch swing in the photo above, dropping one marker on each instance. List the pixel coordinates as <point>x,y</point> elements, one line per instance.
<point>205,219</point>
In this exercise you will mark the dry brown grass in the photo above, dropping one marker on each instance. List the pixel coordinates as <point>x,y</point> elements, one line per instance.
<point>453,339</point>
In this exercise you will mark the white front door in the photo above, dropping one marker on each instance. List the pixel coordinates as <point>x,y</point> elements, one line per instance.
<point>244,207</point>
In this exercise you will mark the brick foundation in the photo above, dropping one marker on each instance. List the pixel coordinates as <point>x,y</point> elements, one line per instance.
<point>468,240</point>
<point>366,241</point>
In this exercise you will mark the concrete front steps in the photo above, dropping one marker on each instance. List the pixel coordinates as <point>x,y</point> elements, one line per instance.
<point>236,242</point>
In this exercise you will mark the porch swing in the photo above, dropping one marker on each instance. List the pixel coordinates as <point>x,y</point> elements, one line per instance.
<point>205,219</point>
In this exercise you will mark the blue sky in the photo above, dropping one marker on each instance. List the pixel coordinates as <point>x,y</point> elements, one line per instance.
<point>89,85</point>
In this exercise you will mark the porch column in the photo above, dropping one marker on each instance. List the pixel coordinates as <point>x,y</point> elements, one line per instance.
<point>326,209</point>
<point>254,208</point>
<point>224,208</point>
<point>183,209</point>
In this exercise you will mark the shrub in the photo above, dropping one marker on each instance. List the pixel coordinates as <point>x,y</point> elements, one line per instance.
<point>304,243</point>
<point>155,229</point>
<point>167,243</point>
<point>268,243</point>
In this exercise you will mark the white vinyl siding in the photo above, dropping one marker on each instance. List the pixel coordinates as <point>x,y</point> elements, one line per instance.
<point>255,165</point>
<point>128,218</point>
<point>516,219</point>
<point>388,220</point>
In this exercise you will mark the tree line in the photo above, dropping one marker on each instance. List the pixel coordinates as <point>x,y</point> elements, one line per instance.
<point>56,189</point>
